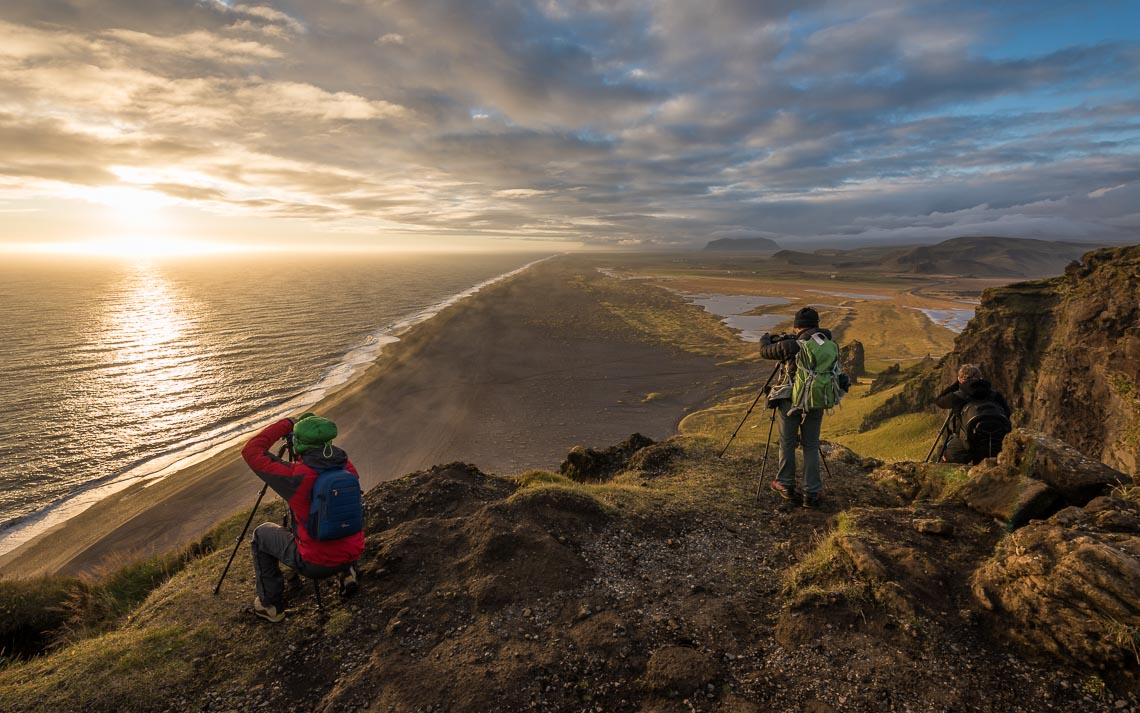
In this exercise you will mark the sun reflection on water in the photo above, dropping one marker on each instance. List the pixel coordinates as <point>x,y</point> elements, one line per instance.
<point>152,351</point>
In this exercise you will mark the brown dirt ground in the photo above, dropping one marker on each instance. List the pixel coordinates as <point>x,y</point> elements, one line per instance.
<point>664,591</point>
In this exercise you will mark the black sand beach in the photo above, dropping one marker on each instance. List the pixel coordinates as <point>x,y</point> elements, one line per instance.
<point>509,380</point>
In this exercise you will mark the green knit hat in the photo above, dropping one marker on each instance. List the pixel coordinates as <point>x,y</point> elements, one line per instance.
<point>313,432</point>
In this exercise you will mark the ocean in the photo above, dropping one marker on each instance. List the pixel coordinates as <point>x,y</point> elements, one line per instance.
<point>115,371</point>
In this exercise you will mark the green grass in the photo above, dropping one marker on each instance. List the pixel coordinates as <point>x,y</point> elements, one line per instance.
<point>143,634</point>
<point>696,482</point>
<point>906,437</point>
<point>33,613</point>
<point>827,574</point>
<point>534,478</point>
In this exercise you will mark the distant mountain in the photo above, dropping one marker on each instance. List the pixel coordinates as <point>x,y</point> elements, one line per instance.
<point>751,245</point>
<point>1013,258</point>
<point>987,257</point>
<point>798,259</point>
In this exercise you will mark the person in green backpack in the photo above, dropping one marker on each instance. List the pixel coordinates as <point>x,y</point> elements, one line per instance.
<point>812,383</point>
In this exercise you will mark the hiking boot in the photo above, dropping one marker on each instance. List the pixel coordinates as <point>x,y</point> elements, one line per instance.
<point>269,613</point>
<point>348,584</point>
<point>784,492</point>
<point>813,501</point>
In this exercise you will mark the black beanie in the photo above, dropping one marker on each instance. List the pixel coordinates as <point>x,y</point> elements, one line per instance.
<point>806,317</point>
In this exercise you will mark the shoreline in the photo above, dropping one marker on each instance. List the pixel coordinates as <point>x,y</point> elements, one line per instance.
<point>352,366</point>
<point>500,380</point>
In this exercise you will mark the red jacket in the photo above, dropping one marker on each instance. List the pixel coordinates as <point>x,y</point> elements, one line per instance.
<point>294,483</point>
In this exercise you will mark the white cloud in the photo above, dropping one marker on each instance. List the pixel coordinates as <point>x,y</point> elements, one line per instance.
<point>198,45</point>
<point>297,99</point>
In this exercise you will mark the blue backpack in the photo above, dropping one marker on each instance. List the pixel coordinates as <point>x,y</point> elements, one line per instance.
<point>337,508</point>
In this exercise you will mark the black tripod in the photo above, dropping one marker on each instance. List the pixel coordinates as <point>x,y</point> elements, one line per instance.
<point>944,431</point>
<point>288,446</point>
<point>755,401</point>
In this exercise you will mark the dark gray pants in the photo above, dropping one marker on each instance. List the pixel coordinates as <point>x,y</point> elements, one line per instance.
<point>273,544</point>
<point>956,451</point>
<point>806,432</point>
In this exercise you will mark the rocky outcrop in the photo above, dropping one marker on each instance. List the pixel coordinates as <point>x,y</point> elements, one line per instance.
<point>1067,585</point>
<point>1073,475</point>
<point>1034,476</point>
<point>919,481</point>
<point>886,378</point>
<point>655,459</point>
<point>1003,492</point>
<point>852,360</point>
<point>590,465</point>
<point>920,383</point>
<point>1064,351</point>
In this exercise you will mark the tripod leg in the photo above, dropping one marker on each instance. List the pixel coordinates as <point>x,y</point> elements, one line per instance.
<point>825,465</point>
<point>320,604</point>
<point>941,431</point>
<point>241,537</point>
<point>748,413</point>
<point>942,453</point>
<point>764,463</point>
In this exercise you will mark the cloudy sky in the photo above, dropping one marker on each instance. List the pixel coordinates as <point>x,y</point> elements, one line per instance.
<point>474,123</point>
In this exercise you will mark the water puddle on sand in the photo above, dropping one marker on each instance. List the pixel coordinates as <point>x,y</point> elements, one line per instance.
<point>953,319</point>
<point>733,308</point>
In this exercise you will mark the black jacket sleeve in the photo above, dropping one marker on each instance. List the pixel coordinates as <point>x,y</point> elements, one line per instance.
<point>949,397</point>
<point>782,350</point>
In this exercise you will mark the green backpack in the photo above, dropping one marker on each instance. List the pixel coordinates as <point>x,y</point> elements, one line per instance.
<point>816,383</point>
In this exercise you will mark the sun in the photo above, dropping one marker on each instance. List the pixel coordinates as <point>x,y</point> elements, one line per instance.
<point>132,206</point>
<point>131,223</point>
<point>138,225</point>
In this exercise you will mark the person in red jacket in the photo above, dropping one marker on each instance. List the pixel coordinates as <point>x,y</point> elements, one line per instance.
<point>293,481</point>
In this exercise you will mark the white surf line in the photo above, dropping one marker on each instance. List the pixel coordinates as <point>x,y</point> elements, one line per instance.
<point>160,467</point>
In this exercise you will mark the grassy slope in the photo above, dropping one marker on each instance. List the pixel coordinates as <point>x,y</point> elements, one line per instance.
<point>902,438</point>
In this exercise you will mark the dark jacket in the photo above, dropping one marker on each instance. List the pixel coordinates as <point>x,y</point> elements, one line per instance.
<point>956,395</point>
<point>294,483</point>
<point>786,349</point>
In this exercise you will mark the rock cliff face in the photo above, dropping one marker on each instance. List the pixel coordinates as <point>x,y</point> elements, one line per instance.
<point>1066,585</point>
<point>1065,352</point>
